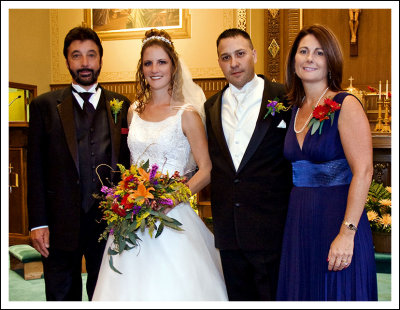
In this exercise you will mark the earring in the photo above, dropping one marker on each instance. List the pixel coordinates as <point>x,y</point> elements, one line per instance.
<point>329,75</point>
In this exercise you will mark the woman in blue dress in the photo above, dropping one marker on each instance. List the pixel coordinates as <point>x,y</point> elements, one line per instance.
<point>327,251</point>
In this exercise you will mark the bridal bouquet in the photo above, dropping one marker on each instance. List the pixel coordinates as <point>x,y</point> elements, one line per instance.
<point>137,203</point>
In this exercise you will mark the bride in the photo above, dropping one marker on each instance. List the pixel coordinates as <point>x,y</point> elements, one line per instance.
<point>166,128</point>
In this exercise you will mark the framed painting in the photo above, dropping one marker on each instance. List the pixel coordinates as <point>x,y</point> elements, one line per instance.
<point>124,24</point>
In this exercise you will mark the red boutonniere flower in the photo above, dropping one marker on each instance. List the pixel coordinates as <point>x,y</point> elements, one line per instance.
<point>322,113</point>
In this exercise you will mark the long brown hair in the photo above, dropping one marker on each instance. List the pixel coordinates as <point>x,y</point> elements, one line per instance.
<point>334,57</point>
<point>143,91</point>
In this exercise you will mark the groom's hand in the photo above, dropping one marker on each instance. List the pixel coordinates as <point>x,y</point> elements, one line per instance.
<point>40,240</point>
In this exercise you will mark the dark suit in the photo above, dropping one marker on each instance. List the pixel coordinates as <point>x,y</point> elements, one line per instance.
<point>55,190</point>
<point>249,205</point>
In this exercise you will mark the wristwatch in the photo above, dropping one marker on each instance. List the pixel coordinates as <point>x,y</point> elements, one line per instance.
<point>350,226</point>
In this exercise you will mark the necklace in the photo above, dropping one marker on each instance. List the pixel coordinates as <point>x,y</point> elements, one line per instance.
<point>309,118</point>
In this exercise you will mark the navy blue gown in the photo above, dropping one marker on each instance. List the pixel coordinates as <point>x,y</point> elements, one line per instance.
<point>321,177</point>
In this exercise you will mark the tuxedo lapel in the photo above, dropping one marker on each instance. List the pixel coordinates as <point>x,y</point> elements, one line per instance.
<point>66,111</point>
<point>115,128</point>
<point>260,130</point>
<point>216,123</point>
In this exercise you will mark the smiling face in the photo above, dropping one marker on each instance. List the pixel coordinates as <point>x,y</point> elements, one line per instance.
<point>157,67</point>
<point>236,59</point>
<point>84,62</point>
<point>310,60</point>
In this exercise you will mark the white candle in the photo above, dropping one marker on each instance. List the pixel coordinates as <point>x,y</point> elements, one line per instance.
<point>380,89</point>
<point>387,90</point>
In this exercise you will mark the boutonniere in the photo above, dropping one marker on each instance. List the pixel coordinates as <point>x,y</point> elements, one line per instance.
<point>274,106</point>
<point>322,113</point>
<point>115,106</point>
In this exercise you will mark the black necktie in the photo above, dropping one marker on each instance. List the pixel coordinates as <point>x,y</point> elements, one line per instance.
<point>88,108</point>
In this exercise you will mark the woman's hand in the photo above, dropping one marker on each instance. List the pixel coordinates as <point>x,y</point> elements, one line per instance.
<point>341,251</point>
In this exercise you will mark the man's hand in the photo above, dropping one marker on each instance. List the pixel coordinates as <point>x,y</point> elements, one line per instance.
<point>40,240</point>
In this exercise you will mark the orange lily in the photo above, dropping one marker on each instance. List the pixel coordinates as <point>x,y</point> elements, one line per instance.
<point>142,192</point>
<point>144,175</point>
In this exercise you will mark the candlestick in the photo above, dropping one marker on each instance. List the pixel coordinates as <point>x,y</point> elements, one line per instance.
<point>387,90</point>
<point>380,90</point>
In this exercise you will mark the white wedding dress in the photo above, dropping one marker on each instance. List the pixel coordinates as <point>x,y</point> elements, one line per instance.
<point>177,265</point>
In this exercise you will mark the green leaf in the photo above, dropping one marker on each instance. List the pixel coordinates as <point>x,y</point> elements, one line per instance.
<point>145,166</point>
<point>160,229</point>
<point>112,265</point>
<point>332,118</point>
<point>173,226</point>
<point>315,126</point>
<point>112,252</point>
<point>320,127</point>
<point>143,225</point>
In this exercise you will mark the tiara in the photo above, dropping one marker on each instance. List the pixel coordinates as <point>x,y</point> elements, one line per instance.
<point>156,38</point>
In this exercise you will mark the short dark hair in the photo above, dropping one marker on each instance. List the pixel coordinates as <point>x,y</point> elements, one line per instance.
<point>234,32</point>
<point>81,34</point>
<point>334,60</point>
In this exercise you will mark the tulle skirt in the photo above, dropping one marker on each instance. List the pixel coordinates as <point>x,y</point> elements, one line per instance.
<point>176,266</point>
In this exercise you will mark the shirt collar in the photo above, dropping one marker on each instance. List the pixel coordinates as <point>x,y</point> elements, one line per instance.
<point>80,89</point>
<point>249,85</point>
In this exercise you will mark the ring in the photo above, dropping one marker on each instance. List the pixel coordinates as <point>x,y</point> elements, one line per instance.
<point>345,263</point>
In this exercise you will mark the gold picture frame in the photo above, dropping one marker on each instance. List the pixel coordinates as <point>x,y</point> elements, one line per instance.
<point>125,24</point>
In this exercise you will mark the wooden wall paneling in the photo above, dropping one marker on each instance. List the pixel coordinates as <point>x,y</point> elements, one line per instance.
<point>17,207</point>
<point>373,62</point>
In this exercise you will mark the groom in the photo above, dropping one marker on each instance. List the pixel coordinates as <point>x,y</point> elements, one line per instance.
<point>71,132</point>
<point>250,178</point>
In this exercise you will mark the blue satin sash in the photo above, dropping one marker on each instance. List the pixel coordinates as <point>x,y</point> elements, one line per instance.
<point>331,173</point>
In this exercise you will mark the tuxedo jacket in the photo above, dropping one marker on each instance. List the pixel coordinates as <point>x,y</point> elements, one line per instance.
<point>54,196</point>
<point>249,206</point>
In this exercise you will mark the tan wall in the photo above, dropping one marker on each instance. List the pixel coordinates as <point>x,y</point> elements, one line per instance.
<point>29,48</point>
<point>121,56</point>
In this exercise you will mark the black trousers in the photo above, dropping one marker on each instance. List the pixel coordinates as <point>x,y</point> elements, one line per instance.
<point>62,269</point>
<point>250,275</point>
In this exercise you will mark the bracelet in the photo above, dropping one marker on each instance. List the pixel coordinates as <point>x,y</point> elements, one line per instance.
<point>350,226</point>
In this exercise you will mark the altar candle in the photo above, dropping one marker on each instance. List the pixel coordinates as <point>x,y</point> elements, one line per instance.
<point>387,90</point>
<point>380,87</point>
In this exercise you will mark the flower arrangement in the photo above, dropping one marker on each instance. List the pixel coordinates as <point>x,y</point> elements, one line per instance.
<point>379,207</point>
<point>322,113</point>
<point>274,106</point>
<point>115,106</point>
<point>138,202</point>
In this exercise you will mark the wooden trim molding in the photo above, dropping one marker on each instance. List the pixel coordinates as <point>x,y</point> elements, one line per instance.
<point>210,86</point>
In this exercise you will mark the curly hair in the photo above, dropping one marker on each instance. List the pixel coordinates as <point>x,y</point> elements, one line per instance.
<point>143,91</point>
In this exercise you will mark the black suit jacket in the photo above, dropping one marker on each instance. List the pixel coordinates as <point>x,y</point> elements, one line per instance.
<point>54,197</point>
<point>249,205</point>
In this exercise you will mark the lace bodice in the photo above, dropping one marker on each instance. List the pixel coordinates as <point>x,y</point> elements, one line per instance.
<point>162,143</point>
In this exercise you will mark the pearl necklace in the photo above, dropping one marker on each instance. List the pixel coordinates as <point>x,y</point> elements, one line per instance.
<point>309,118</point>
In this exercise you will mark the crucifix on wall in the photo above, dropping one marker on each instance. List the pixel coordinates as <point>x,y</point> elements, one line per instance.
<point>353,22</point>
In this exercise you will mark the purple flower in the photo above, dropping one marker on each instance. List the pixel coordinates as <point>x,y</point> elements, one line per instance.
<point>136,209</point>
<point>272,104</point>
<point>112,231</point>
<point>167,202</point>
<point>104,189</point>
<point>153,171</point>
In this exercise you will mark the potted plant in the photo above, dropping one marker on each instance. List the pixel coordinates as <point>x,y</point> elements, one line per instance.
<point>379,212</point>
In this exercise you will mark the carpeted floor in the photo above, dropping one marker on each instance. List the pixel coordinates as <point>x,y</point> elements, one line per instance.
<point>33,290</point>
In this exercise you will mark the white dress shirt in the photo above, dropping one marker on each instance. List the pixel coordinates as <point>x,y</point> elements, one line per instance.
<point>239,113</point>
